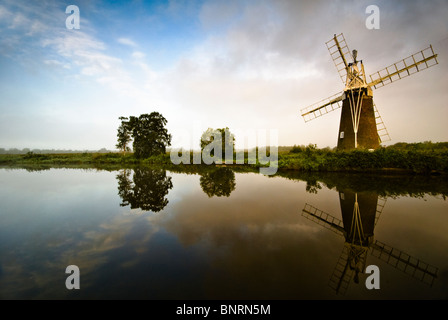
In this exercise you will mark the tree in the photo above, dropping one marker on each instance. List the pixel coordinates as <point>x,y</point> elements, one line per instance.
<point>219,182</point>
<point>149,134</point>
<point>222,136</point>
<point>147,190</point>
<point>123,135</point>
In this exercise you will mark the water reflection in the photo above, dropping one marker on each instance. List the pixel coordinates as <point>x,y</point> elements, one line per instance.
<point>360,213</point>
<point>218,182</point>
<point>146,190</point>
<point>362,199</point>
<point>388,185</point>
<point>250,243</point>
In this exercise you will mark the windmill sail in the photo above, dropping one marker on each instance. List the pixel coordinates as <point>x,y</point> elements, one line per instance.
<point>419,61</point>
<point>379,208</point>
<point>402,261</point>
<point>322,107</point>
<point>323,219</point>
<point>343,272</point>
<point>339,52</point>
<point>342,275</point>
<point>383,134</point>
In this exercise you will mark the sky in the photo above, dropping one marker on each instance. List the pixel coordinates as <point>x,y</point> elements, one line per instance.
<point>246,65</point>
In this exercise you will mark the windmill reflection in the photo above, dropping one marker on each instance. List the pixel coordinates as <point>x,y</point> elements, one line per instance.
<point>146,190</point>
<point>218,182</point>
<point>360,213</point>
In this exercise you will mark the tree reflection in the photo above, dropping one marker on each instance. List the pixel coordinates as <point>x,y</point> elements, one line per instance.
<point>147,190</point>
<point>312,186</point>
<point>219,182</point>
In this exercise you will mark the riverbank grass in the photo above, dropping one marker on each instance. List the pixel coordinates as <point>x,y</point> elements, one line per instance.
<point>413,158</point>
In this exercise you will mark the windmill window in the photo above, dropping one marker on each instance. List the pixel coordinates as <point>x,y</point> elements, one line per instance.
<point>341,135</point>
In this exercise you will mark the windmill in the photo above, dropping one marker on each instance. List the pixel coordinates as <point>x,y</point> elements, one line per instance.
<point>360,214</point>
<point>361,125</point>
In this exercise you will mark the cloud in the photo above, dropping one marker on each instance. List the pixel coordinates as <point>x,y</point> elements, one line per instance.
<point>261,61</point>
<point>19,21</point>
<point>56,63</point>
<point>83,51</point>
<point>138,55</point>
<point>127,42</point>
<point>269,61</point>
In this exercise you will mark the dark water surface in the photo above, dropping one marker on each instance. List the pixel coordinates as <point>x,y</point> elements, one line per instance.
<point>156,234</point>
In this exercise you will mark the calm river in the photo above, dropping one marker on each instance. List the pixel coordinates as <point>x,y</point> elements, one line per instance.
<point>220,234</point>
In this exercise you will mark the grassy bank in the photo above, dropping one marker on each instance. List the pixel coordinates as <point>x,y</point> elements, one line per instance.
<point>413,158</point>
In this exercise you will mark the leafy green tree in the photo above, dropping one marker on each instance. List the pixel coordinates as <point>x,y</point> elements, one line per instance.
<point>219,182</point>
<point>124,186</point>
<point>222,136</point>
<point>146,190</point>
<point>150,137</point>
<point>123,135</point>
